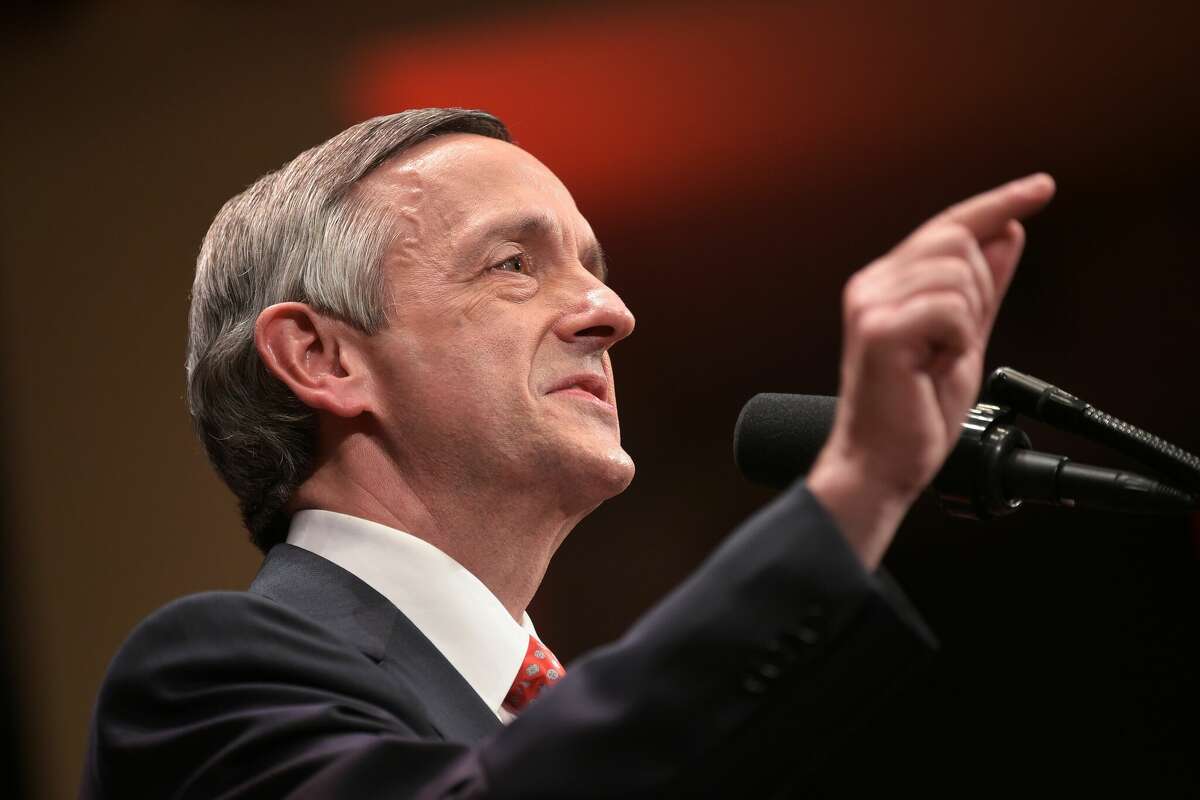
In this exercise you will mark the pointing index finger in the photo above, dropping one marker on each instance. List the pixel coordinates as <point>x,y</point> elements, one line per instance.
<point>986,215</point>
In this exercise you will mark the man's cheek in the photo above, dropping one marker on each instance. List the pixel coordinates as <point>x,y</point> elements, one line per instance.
<point>489,305</point>
<point>606,363</point>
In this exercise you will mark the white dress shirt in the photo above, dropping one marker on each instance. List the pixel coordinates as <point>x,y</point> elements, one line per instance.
<point>455,611</point>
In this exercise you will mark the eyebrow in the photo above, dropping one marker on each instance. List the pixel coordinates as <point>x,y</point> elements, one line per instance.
<point>541,225</point>
<point>593,258</point>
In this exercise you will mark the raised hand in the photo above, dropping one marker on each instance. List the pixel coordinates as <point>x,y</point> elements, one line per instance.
<point>916,327</point>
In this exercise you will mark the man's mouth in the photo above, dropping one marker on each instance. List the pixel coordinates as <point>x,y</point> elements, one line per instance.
<point>588,384</point>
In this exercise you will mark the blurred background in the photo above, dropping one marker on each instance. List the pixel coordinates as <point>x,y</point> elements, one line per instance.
<point>739,161</point>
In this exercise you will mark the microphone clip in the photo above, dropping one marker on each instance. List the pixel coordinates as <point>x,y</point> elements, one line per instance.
<point>971,483</point>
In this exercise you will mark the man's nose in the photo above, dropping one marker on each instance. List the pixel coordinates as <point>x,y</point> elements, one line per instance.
<point>599,320</point>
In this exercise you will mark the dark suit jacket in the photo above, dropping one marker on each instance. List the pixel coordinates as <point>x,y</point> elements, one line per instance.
<point>313,685</point>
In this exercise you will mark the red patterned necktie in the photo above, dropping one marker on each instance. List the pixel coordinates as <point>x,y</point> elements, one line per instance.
<point>539,670</point>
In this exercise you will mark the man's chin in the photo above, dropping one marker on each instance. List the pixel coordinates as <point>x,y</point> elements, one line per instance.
<point>620,472</point>
<point>596,474</point>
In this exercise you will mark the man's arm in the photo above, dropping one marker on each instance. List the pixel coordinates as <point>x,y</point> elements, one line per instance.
<point>738,684</point>
<point>744,676</point>
<point>916,327</point>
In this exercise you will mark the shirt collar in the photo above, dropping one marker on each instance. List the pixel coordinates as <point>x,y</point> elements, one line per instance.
<point>448,604</point>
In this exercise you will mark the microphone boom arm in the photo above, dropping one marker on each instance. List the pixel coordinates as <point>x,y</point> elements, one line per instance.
<point>1042,401</point>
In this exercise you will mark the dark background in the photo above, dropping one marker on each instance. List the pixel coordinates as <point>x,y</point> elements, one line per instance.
<point>739,162</point>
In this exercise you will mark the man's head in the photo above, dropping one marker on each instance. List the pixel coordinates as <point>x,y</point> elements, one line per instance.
<point>420,281</point>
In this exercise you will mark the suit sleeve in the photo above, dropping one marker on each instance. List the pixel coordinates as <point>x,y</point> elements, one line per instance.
<point>738,683</point>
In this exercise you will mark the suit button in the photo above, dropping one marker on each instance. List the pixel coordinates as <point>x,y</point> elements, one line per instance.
<point>801,641</point>
<point>770,671</point>
<point>805,635</point>
<point>754,685</point>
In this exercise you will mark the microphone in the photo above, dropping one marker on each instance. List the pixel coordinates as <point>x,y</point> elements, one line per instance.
<point>990,472</point>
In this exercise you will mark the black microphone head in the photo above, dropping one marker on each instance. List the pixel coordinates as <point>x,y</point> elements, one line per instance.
<point>777,436</point>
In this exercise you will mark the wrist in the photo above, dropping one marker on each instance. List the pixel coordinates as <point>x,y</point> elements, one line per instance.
<point>866,509</point>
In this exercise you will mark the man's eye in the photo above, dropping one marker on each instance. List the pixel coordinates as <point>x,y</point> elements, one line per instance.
<point>512,264</point>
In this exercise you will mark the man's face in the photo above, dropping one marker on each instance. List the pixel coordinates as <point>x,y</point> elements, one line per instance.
<point>494,368</point>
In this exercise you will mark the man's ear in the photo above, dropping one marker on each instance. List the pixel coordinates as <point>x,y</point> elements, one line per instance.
<point>314,355</point>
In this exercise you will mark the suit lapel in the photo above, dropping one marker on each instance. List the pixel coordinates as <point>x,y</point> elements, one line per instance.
<point>328,594</point>
<point>412,659</point>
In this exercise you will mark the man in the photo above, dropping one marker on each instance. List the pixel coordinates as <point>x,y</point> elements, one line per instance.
<point>399,362</point>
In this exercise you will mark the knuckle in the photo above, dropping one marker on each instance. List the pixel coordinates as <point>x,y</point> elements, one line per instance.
<point>962,320</point>
<point>954,236</point>
<point>967,277</point>
<point>956,306</point>
<point>948,308</point>
<point>954,266</point>
<point>855,294</point>
<point>874,327</point>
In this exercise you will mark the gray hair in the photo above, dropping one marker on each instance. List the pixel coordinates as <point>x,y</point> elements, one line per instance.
<point>300,234</point>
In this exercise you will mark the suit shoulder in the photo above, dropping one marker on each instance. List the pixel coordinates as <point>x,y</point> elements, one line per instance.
<point>225,618</point>
<point>203,631</point>
<point>217,611</point>
<point>212,682</point>
<point>208,607</point>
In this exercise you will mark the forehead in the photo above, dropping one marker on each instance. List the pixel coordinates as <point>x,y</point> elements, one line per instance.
<point>459,182</point>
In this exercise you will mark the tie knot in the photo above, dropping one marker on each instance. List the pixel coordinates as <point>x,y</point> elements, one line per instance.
<point>539,670</point>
